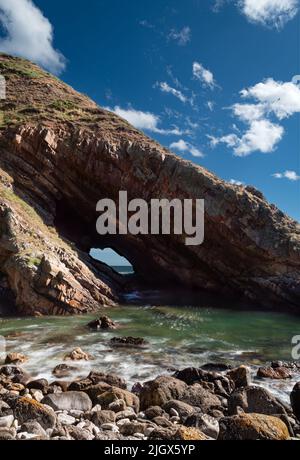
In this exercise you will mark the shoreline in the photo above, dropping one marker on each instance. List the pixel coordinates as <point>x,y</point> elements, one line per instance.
<point>193,404</point>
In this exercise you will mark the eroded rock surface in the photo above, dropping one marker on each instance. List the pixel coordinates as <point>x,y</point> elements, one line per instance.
<point>60,154</point>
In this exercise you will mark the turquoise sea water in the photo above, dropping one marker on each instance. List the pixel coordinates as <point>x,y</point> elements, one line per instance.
<point>178,337</point>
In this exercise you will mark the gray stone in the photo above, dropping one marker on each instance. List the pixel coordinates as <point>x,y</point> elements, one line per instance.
<point>72,400</point>
<point>33,427</point>
<point>7,421</point>
<point>65,419</point>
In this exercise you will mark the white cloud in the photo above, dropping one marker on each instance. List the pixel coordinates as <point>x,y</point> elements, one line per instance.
<point>271,98</point>
<point>185,147</point>
<point>204,75</point>
<point>182,37</point>
<point>165,88</point>
<point>210,105</point>
<point>29,34</point>
<point>236,182</point>
<point>273,13</point>
<point>290,175</point>
<point>248,112</point>
<point>143,120</point>
<point>262,136</point>
<point>281,98</point>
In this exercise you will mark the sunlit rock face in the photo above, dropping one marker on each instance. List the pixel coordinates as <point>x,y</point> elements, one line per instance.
<point>60,154</point>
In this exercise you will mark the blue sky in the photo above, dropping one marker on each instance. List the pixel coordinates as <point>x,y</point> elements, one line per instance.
<point>177,69</point>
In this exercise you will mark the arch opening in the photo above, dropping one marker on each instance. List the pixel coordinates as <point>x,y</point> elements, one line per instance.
<point>113,259</point>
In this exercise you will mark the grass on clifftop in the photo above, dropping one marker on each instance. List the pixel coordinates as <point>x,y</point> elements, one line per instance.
<point>34,96</point>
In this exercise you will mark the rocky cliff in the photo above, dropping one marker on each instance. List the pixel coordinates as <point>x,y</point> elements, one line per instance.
<point>60,153</point>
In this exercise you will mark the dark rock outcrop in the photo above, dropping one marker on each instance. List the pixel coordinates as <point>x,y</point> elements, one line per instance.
<point>60,154</point>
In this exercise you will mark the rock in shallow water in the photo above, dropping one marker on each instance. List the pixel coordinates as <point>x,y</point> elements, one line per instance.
<point>135,342</point>
<point>295,400</point>
<point>15,358</point>
<point>63,370</point>
<point>78,355</point>
<point>255,399</point>
<point>103,323</point>
<point>279,373</point>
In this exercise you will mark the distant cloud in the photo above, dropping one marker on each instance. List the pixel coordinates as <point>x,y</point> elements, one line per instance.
<point>262,136</point>
<point>185,147</point>
<point>144,120</point>
<point>204,75</point>
<point>166,88</point>
<point>218,4</point>
<point>290,175</point>
<point>271,99</point>
<point>146,24</point>
<point>210,105</point>
<point>182,37</point>
<point>29,34</point>
<point>272,13</point>
<point>281,98</point>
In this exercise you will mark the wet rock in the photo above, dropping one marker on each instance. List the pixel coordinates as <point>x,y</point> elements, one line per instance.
<point>222,385</point>
<point>241,376</point>
<point>255,400</point>
<point>292,365</point>
<point>215,367</point>
<point>7,434</point>
<point>16,374</point>
<point>78,355</point>
<point>190,434</point>
<point>295,400</point>
<point>63,370</point>
<point>104,416</point>
<point>161,390</point>
<point>33,427</point>
<point>132,342</point>
<point>137,388</point>
<point>205,423</point>
<point>41,384</point>
<point>72,400</point>
<point>80,385</point>
<point>114,393</point>
<point>182,409</point>
<point>27,410</point>
<point>103,323</point>
<point>278,373</point>
<point>110,379</point>
<point>253,427</point>
<point>15,358</point>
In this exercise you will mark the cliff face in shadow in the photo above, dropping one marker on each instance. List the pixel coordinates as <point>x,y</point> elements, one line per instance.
<point>60,153</point>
